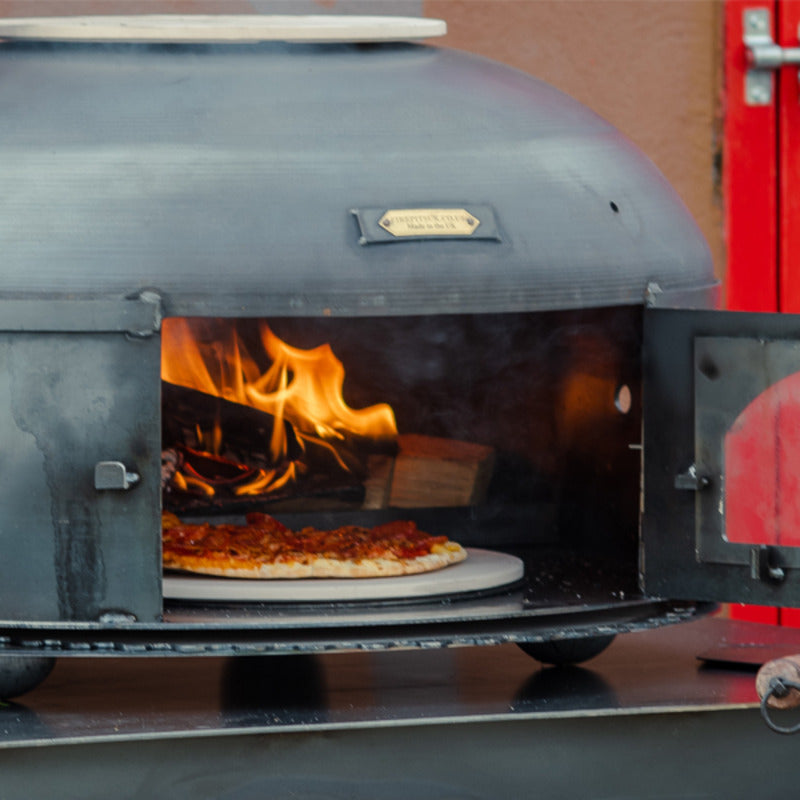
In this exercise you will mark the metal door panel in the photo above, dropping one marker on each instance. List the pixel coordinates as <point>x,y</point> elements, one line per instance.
<point>70,550</point>
<point>703,371</point>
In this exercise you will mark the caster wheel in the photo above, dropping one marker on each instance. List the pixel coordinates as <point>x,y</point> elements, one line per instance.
<point>567,651</point>
<point>20,674</point>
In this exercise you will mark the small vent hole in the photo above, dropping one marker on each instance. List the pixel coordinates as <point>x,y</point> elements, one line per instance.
<point>709,369</point>
<point>623,399</point>
<point>614,207</point>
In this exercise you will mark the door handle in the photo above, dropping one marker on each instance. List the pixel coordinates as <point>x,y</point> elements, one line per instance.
<point>764,56</point>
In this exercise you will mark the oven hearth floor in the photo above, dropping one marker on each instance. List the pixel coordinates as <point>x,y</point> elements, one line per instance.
<point>562,597</point>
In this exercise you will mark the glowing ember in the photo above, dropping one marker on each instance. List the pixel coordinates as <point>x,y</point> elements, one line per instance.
<point>301,387</point>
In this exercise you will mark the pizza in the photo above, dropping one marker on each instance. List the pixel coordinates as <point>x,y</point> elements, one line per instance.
<point>265,548</point>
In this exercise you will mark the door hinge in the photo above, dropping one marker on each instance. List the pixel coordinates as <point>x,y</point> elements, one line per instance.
<point>764,56</point>
<point>764,564</point>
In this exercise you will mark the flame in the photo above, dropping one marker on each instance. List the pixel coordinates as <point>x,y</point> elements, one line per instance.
<point>303,387</point>
<point>306,387</point>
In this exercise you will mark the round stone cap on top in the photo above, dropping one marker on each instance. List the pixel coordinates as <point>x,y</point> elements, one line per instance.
<point>221,28</point>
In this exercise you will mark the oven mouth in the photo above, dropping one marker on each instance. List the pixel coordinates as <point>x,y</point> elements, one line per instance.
<point>488,431</point>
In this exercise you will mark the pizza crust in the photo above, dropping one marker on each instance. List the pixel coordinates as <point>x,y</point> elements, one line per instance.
<point>441,555</point>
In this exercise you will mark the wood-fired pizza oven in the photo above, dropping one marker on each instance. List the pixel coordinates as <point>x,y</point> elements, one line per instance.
<point>475,250</point>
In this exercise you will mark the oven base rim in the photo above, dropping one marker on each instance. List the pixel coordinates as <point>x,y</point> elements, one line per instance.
<point>169,639</point>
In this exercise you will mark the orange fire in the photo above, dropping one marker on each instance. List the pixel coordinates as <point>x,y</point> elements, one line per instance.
<point>302,387</point>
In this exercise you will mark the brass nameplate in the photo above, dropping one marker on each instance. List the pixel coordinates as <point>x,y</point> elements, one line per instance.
<point>418,222</point>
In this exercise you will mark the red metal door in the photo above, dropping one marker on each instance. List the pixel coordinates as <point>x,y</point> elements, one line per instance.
<point>788,158</point>
<point>749,168</point>
<point>761,177</point>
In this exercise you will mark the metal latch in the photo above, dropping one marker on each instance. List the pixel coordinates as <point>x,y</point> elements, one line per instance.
<point>113,475</point>
<point>764,564</point>
<point>764,56</point>
<point>690,480</point>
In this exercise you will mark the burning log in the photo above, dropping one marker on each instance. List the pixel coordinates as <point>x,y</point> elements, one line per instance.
<point>218,457</point>
<point>430,472</point>
<point>206,423</point>
<point>238,427</point>
<point>193,481</point>
<point>378,483</point>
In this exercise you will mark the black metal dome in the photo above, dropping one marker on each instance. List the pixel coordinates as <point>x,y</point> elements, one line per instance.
<point>251,179</point>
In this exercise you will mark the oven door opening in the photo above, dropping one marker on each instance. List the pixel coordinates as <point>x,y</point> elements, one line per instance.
<point>514,435</point>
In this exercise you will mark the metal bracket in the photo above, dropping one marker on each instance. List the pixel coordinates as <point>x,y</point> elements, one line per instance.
<point>764,56</point>
<point>690,480</point>
<point>139,315</point>
<point>113,475</point>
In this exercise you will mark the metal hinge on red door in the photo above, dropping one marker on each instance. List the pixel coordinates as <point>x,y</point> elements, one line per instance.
<point>764,56</point>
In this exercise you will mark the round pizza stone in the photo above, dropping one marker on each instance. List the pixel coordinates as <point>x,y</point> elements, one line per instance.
<point>483,569</point>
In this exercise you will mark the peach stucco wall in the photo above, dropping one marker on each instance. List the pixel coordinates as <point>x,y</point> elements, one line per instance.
<point>650,67</point>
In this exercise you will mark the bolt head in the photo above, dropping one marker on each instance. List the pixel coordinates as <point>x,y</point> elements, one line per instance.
<point>756,21</point>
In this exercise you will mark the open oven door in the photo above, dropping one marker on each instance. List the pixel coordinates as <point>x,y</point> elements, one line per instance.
<point>721,444</point>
